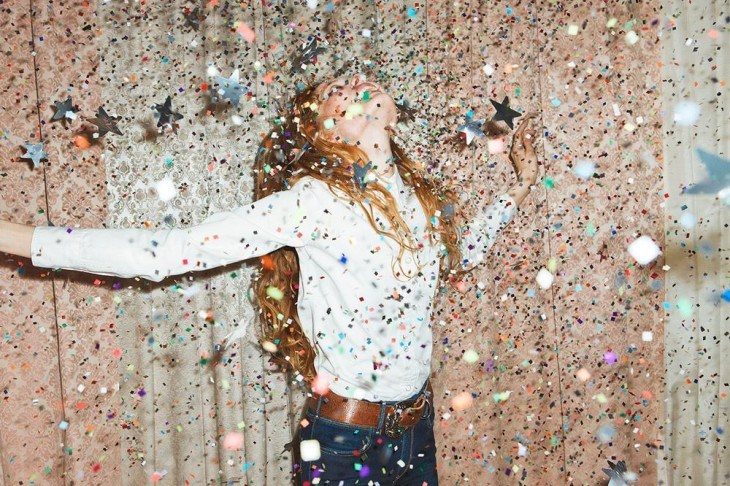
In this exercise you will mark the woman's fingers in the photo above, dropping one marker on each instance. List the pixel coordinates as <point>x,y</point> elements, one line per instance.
<point>521,128</point>
<point>528,139</point>
<point>522,140</point>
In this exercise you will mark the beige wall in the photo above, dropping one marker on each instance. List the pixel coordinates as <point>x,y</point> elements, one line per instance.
<point>123,361</point>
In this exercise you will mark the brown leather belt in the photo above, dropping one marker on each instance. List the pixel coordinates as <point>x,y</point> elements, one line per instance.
<point>398,417</point>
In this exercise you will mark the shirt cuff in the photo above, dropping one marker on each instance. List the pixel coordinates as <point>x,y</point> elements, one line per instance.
<point>509,204</point>
<point>56,247</point>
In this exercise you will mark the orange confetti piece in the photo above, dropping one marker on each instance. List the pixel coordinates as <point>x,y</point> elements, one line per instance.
<point>462,401</point>
<point>156,476</point>
<point>81,142</point>
<point>267,262</point>
<point>269,77</point>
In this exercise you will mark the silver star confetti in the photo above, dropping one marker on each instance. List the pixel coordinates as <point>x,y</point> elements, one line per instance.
<point>35,152</point>
<point>471,128</point>
<point>230,89</point>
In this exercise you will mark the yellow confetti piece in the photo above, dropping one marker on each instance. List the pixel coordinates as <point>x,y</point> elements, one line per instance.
<point>471,356</point>
<point>600,398</point>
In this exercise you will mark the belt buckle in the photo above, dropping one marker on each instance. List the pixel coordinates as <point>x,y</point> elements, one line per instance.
<point>392,428</point>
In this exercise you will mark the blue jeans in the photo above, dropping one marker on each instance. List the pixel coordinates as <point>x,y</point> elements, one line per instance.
<point>353,454</point>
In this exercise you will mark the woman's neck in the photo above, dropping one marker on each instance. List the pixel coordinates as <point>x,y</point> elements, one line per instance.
<point>379,153</point>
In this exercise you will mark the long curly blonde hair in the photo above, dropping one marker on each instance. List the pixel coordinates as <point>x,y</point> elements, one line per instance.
<point>295,148</point>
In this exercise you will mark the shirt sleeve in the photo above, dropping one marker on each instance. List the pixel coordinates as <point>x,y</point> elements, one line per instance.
<point>287,218</point>
<point>478,236</point>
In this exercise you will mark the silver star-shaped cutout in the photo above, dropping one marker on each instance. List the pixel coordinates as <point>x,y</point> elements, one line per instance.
<point>447,211</point>
<point>193,18</point>
<point>472,128</point>
<point>64,110</point>
<point>105,122</point>
<point>718,174</point>
<point>167,116</point>
<point>308,53</point>
<point>361,173</point>
<point>616,473</point>
<point>405,110</point>
<point>230,89</point>
<point>35,152</point>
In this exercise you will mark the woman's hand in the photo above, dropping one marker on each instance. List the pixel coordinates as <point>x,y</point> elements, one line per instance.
<point>15,238</point>
<point>523,157</point>
<point>522,154</point>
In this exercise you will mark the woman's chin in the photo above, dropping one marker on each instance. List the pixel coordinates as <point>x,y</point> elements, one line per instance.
<point>383,116</point>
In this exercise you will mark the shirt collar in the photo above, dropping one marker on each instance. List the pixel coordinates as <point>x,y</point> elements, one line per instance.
<point>394,183</point>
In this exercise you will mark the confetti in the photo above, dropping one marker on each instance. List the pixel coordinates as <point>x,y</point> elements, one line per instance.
<point>644,250</point>
<point>462,401</point>
<point>544,278</point>
<point>233,441</point>
<point>471,356</point>
<point>617,115</point>
<point>166,190</point>
<point>309,450</point>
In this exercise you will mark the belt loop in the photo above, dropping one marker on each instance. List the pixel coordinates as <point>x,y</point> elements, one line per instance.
<point>381,418</point>
<point>319,404</point>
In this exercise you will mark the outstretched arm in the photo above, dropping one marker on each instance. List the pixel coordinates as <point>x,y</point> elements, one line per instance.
<point>286,218</point>
<point>15,238</point>
<point>478,236</point>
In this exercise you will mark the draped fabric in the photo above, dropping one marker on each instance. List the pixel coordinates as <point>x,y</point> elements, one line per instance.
<point>696,329</point>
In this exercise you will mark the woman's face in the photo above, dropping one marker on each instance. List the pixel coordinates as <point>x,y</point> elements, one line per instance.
<point>344,116</point>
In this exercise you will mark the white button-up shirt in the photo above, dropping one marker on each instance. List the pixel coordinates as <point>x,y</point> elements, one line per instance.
<point>369,323</point>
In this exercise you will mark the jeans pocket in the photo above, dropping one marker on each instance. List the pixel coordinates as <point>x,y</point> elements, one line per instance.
<point>339,438</point>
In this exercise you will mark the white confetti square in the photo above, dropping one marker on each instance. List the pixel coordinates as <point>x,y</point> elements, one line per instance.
<point>309,450</point>
<point>644,250</point>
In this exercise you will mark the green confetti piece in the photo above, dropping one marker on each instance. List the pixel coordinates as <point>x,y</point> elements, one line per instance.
<point>274,292</point>
<point>685,307</point>
<point>501,396</point>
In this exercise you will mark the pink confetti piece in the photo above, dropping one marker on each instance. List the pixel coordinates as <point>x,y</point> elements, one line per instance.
<point>233,441</point>
<point>246,32</point>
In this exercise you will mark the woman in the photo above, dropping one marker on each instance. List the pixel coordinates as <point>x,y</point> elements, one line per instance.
<point>353,238</point>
